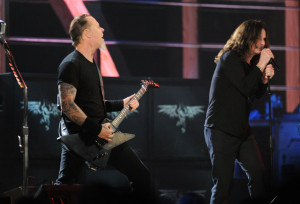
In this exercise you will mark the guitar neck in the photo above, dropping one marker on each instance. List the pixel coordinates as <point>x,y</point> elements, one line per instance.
<point>124,112</point>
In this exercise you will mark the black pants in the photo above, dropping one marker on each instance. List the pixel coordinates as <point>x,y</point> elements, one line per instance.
<point>122,157</point>
<point>224,150</point>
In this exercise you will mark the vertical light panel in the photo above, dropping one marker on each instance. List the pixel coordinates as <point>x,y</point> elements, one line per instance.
<point>66,10</point>
<point>190,35</point>
<point>2,54</point>
<point>292,56</point>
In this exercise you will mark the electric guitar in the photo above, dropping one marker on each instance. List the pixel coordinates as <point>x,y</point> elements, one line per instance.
<point>97,152</point>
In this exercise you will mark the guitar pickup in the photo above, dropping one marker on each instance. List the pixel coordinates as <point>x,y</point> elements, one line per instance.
<point>100,156</point>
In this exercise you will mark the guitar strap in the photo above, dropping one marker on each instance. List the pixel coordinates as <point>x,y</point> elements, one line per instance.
<point>63,129</point>
<point>101,83</point>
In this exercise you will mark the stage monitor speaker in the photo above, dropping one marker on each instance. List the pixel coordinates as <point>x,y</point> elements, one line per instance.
<point>76,193</point>
<point>16,194</point>
<point>57,193</point>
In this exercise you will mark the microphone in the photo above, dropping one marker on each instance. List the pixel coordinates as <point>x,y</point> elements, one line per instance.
<point>272,61</point>
<point>2,27</point>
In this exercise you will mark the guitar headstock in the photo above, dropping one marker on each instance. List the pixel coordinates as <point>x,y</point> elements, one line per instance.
<point>148,83</point>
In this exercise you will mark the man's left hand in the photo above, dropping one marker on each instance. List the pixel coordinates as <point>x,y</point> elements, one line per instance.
<point>268,72</point>
<point>133,105</point>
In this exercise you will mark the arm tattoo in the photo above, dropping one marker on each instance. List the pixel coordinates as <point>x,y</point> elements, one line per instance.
<point>67,93</point>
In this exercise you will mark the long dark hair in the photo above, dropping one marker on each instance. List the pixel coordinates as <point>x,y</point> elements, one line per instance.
<point>243,37</point>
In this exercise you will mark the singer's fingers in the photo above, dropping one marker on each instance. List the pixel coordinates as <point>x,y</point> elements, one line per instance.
<point>269,68</point>
<point>269,72</point>
<point>270,53</point>
<point>264,58</point>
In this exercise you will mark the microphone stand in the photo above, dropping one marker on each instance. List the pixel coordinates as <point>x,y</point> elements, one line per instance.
<point>270,130</point>
<point>22,144</point>
<point>276,67</point>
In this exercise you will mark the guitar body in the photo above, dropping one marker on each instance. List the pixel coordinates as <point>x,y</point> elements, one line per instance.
<point>97,152</point>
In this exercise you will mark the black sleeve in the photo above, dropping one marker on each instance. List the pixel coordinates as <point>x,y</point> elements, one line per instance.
<point>261,90</point>
<point>68,72</point>
<point>92,128</point>
<point>114,105</point>
<point>234,72</point>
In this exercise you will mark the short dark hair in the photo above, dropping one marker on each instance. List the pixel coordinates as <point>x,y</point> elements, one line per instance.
<point>77,25</point>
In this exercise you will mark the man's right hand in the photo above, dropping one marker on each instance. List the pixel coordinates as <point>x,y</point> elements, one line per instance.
<point>265,56</point>
<point>107,132</point>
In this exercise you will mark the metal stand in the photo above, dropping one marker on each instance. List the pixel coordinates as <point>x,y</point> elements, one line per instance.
<point>270,125</point>
<point>270,129</point>
<point>23,142</point>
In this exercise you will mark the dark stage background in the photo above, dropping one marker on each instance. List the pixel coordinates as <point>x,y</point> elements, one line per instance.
<point>164,140</point>
<point>141,39</point>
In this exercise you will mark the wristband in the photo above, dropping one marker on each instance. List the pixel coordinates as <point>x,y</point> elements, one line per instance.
<point>91,127</point>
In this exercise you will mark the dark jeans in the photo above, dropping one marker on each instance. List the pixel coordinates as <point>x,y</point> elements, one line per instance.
<point>224,150</point>
<point>122,157</point>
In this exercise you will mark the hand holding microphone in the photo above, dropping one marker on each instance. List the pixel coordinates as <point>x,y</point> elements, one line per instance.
<point>264,59</point>
<point>272,61</point>
<point>268,73</point>
<point>267,64</point>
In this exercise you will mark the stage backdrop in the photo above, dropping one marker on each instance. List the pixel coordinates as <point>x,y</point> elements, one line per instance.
<point>168,126</point>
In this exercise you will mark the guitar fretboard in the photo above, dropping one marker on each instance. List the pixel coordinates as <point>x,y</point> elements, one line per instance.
<point>124,112</point>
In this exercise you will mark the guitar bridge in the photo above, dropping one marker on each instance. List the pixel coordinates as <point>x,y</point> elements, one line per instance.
<point>100,156</point>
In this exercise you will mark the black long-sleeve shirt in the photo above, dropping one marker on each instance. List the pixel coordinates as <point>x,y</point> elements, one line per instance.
<point>234,86</point>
